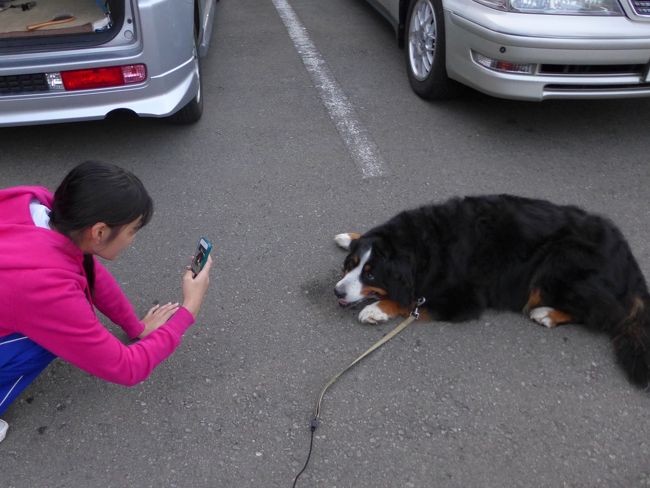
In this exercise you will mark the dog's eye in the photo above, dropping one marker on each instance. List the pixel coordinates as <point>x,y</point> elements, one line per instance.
<point>370,276</point>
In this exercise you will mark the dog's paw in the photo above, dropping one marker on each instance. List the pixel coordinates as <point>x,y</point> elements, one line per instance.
<point>542,315</point>
<point>372,314</point>
<point>344,240</point>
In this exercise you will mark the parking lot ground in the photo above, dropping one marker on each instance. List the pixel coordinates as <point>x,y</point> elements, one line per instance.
<point>268,177</point>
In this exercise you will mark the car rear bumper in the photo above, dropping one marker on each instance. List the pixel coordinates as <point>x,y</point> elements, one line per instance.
<point>171,61</point>
<point>569,51</point>
<point>159,96</point>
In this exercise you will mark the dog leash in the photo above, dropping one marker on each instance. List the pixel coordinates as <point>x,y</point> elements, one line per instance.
<point>315,421</point>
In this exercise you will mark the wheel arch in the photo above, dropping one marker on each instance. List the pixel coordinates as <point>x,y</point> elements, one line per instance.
<point>401,24</point>
<point>198,31</point>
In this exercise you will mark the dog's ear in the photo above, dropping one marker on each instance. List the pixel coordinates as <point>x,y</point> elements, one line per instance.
<point>344,240</point>
<point>401,282</point>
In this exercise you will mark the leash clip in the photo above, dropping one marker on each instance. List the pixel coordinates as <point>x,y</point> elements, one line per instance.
<point>418,303</point>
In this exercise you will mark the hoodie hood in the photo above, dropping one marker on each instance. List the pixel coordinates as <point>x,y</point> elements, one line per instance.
<point>23,245</point>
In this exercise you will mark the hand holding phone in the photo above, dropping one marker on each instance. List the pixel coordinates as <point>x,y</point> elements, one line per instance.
<point>200,256</point>
<point>195,282</point>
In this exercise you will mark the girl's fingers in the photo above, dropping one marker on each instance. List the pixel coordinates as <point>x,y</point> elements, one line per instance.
<point>152,310</point>
<point>166,308</point>
<point>159,309</point>
<point>208,264</point>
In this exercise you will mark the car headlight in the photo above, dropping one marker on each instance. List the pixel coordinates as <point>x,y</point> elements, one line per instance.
<point>561,7</point>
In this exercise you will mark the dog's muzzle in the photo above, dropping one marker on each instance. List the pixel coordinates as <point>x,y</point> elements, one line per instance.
<point>341,296</point>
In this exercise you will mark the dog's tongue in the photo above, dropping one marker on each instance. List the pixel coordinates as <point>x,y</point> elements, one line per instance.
<point>342,302</point>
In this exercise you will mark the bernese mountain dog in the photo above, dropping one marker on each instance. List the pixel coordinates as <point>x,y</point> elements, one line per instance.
<point>557,264</point>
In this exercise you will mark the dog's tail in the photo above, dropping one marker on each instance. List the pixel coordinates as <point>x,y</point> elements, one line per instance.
<point>632,342</point>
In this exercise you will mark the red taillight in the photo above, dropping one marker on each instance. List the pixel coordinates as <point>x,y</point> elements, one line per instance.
<point>85,79</point>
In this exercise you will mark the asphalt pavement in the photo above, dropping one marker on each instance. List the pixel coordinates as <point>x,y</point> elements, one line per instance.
<point>268,176</point>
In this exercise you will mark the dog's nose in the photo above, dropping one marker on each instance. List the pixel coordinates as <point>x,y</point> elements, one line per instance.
<point>339,294</point>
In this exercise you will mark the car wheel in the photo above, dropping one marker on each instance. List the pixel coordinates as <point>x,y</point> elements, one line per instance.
<point>425,51</point>
<point>193,111</point>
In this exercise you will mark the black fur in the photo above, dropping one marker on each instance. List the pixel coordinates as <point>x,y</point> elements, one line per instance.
<point>469,254</point>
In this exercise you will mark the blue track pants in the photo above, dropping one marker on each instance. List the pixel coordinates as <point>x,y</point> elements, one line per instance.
<point>21,361</point>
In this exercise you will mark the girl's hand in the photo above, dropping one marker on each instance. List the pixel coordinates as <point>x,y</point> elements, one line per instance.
<point>157,316</point>
<point>194,288</point>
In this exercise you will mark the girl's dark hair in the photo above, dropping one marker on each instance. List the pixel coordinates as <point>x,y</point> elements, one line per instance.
<point>99,192</point>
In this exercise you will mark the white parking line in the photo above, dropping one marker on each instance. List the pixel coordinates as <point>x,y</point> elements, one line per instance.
<point>363,150</point>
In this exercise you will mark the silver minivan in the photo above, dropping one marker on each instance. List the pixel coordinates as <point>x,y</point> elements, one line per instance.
<point>72,60</point>
<point>524,49</point>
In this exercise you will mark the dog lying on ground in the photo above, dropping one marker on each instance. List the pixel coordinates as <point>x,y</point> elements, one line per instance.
<point>557,264</point>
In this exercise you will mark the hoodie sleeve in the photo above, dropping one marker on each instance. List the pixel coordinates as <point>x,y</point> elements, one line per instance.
<point>58,317</point>
<point>111,301</point>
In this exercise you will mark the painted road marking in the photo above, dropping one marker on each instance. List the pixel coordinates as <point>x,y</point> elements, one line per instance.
<point>363,150</point>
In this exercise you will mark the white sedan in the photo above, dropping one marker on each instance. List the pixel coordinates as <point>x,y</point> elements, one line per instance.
<point>524,49</point>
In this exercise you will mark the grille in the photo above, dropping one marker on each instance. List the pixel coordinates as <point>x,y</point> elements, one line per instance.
<point>17,84</point>
<point>580,69</point>
<point>641,7</point>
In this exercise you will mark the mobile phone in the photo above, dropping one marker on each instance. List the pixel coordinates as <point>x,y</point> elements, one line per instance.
<point>201,256</point>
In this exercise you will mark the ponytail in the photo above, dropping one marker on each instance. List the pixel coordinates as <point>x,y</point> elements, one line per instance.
<point>89,270</point>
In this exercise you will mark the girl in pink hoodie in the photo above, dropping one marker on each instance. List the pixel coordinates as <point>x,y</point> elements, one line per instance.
<point>51,282</point>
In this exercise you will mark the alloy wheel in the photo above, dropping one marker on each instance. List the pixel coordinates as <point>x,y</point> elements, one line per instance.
<point>422,39</point>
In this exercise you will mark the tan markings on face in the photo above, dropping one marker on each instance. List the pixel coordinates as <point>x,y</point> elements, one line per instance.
<point>351,264</point>
<point>350,285</point>
<point>558,317</point>
<point>373,290</point>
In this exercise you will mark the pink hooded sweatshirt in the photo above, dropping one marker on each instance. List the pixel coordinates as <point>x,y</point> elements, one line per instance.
<point>44,296</point>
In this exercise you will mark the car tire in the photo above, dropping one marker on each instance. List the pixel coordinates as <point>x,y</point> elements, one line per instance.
<point>425,51</point>
<point>192,112</point>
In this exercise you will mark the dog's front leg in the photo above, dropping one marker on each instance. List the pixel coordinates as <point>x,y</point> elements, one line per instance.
<point>381,311</point>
